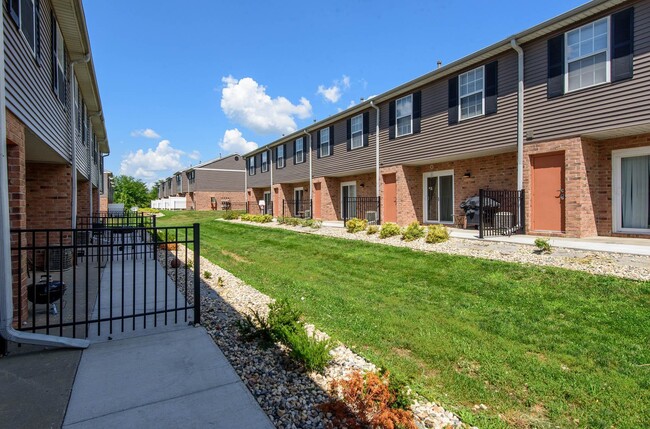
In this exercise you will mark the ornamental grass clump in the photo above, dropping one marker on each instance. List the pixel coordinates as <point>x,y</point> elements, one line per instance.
<point>437,234</point>
<point>372,229</point>
<point>543,245</point>
<point>356,225</point>
<point>261,218</point>
<point>413,232</point>
<point>389,229</point>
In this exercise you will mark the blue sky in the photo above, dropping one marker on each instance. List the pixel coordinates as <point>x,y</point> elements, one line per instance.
<point>182,82</point>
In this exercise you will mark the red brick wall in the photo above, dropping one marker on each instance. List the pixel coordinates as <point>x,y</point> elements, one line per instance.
<point>96,203</point>
<point>331,192</point>
<point>17,211</point>
<point>202,200</point>
<point>83,199</point>
<point>49,195</point>
<point>103,204</point>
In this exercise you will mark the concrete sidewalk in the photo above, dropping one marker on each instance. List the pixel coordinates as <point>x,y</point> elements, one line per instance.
<point>168,379</point>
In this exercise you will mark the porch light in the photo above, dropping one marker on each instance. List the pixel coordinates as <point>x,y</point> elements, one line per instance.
<point>467,174</point>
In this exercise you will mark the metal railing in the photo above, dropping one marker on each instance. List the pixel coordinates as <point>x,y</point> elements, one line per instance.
<point>368,208</point>
<point>297,208</point>
<point>227,205</point>
<point>501,213</point>
<point>111,220</point>
<point>88,282</point>
<point>254,208</point>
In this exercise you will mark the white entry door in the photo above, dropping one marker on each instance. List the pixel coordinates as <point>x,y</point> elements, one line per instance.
<point>439,197</point>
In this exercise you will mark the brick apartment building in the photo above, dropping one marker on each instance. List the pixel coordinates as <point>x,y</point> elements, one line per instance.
<point>560,110</point>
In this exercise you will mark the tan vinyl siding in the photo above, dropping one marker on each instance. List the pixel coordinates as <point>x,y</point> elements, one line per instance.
<point>29,86</point>
<point>611,105</point>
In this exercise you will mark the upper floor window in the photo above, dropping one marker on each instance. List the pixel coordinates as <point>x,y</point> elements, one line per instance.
<point>251,166</point>
<point>84,126</point>
<point>58,57</point>
<point>178,179</point>
<point>265,161</point>
<point>191,176</point>
<point>356,132</point>
<point>471,90</point>
<point>325,148</point>
<point>299,155</point>
<point>587,55</point>
<point>95,150</point>
<point>24,14</point>
<point>404,115</point>
<point>279,156</point>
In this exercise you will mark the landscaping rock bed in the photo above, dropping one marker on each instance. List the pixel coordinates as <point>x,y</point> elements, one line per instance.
<point>620,265</point>
<point>286,392</point>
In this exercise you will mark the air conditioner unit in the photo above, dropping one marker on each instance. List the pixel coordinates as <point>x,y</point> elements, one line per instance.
<point>307,214</point>
<point>371,217</point>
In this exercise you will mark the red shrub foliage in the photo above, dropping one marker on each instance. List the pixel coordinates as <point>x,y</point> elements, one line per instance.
<point>366,403</point>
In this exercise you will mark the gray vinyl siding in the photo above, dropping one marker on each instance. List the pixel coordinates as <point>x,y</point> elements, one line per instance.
<point>292,173</point>
<point>82,149</point>
<point>219,181</point>
<point>343,161</point>
<point>29,86</point>
<point>600,108</point>
<point>259,179</point>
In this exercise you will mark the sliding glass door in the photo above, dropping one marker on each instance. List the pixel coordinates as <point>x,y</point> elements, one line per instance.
<point>631,177</point>
<point>439,197</point>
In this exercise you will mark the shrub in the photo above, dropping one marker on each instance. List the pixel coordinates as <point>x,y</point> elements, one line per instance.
<point>311,223</point>
<point>366,401</point>
<point>543,245</point>
<point>372,229</point>
<point>314,354</point>
<point>282,317</point>
<point>356,225</point>
<point>389,229</point>
<point>413,232</point>
<point>230,215</point>
<point>261,218</point>
<point>437,234</point>
<point>255,327</point>
<point>148,210</point>
<point>207,274</point>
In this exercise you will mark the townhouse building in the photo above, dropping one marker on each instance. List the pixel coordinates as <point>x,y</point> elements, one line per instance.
<point>211,185</point>
<point>560,111</point>
<point>55,132</point>
<point>106,191</point>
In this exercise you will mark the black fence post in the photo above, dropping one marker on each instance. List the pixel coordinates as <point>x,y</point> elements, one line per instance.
<point>480,213</point>
<point>522,210</point>
<point>197,274</point>
<point>378,210</point>
<point>283,208</point>
<point>3,346</point>
<point>311,209</point>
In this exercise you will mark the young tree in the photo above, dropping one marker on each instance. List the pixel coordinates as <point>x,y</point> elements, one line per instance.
<point>131,192</point>
<point>153,192</point>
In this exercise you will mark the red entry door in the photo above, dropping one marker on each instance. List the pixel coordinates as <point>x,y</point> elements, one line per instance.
<point>548,192</point>
<point>390,198</point>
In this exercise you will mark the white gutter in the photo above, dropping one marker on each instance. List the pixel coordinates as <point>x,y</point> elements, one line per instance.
<point>73,133</point>
<point>270,162</point>
<point>520,114</point>
<point>311,179</point>
<point>246,184</point>
<point>372,104</point>
<point>6,288</point>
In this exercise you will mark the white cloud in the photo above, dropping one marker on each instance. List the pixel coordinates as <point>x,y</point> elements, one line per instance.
<point>147,132</point>
<point>145,165</point>
<point>333,93</point>
<point>195,155</point>
<point>234,142</point>
<point>247,103</point>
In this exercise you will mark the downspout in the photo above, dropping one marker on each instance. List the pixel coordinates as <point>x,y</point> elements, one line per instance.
<point>520,114</point>
<point>73,133</point>
<point>6,289</point>
<point>245,184</point>
<point>270,161</point>
<point>90,164</point>
<point>311,179</point>
<point>377,182</point>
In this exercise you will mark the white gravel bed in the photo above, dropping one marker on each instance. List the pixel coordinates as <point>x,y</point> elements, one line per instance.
<point>605,263</point>
<point>285,391</point>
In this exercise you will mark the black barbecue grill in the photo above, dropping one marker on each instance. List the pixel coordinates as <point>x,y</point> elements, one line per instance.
<point>471,208</point>
<point>47,292</point>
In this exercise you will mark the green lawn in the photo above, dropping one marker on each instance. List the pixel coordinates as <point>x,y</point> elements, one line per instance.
<point>541,347</point>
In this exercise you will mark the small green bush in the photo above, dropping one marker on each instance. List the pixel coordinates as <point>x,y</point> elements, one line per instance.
<point>543,245</point>
<point>148,210</point>
<point>230,215</point>
<point>314,354</point>
<point>207,274</point>
<point>255,327</point>
<point>413,232</point>
<point>437,234</point>
<point>356,225</point>
<point>261,218</point>
<point>389,229</point>
<point>282,316</point>
<point>372,229</point>
<point>399,390</point>
<point>311,223</point>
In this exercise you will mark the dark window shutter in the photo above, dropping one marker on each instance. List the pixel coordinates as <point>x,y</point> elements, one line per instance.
<point>453,100</point>
<point>349,126</point>
<point>295,155</point>
<point>555,85</point>
<point>318,144</point>
<point>417,111</point>
<point>14,7</point>
<point>491,87</point>
<point>332,140</point>
<point>391,120</point>
<point>366,128</point>
<point>622,44</point>
<point>37,30</point>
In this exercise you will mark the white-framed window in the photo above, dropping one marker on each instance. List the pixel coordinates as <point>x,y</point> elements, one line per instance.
<point>404,116</point>
<point>300,150</point>
<point>23,12</point>
<point>325,142</point>
<point>587,55</point>
<point>191,176</point>
<point>471,90</point>
<point>251,166</point>
<point>356,132</point>
<point>438,196</point>
<point>59,72</point>
<point>265,162</point>
<point>631,190</point>
<point>279,156</point>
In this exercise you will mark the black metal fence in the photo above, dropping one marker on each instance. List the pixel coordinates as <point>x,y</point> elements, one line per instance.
<point>254,208</point>
<point>368,208</point>
<point>501,213</point>
<point>93,282</point>
<point>297,208</point>
<point>112,220</point>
